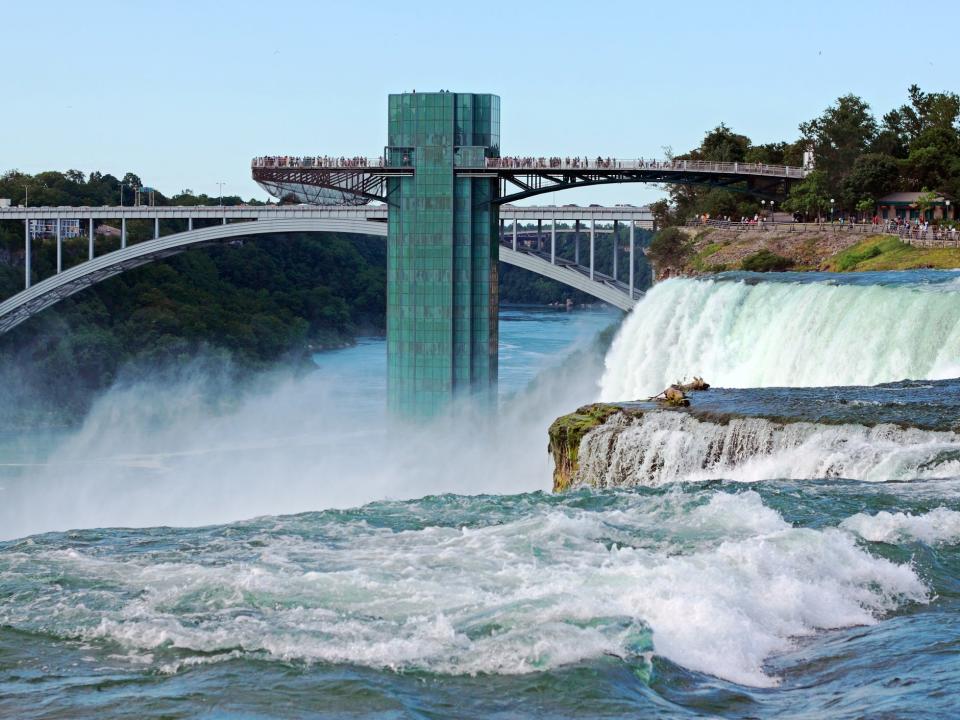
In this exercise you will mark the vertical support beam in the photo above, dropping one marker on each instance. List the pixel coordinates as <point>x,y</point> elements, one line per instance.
<point>576,242</point>
<point>123,233</point>
<point>593,225</point>
<point>616,243</point>
<point>224,219</point>
<point>189,224</point>
<point>553,241</point>
<point>156,228</point>
<point>90,239</point>
<point>59,246</point>
<point>26,254</point>
<point>516,221</point>
<point>539,235</point>
<point>503,232</point>
<point>631,256</point>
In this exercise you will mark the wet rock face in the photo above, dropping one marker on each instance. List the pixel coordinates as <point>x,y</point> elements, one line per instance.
<point>566,434</point>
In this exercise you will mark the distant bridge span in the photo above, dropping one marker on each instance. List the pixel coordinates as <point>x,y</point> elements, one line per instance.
<point>51,290</point>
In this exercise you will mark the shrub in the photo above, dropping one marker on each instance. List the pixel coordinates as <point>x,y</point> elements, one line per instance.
<point>766,261</point>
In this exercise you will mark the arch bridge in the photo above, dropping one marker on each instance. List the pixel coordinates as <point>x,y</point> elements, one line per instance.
<point>533,250</point>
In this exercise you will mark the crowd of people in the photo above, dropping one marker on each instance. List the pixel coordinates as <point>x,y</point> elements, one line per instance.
<point>511,162</point>
<point>915,229</point>
<point>323,161</point>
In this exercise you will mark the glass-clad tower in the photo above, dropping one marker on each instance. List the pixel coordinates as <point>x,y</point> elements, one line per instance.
<point>442,250</point>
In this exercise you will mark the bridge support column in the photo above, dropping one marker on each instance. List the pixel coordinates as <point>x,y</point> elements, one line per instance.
<point>553,241</point>
<point>156,228</point>
<point>503,231</point>
<point>539,235</point>
<point>593,225</point>
<point>59,245</point>
<point>576,242</point>
<point>515,223</point>
<point>26,254</point>
<point>189,224</point>
<point>90,239</point>
<point>123,233</point>
<point>632,222</point>
<point>616,244</point>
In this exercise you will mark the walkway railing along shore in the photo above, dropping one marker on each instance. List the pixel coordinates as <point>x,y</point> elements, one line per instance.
<point>541,163</point>
<point>912,234</point>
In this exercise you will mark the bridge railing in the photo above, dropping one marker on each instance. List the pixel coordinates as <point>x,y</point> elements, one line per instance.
<point>750,225</point>
<point>600,163</point>
<point>544,163</point>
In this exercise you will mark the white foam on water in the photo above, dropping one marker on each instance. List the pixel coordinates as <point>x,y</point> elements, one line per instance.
<point>779,334</point>
<point>727,584</point>
<point>940,525</point>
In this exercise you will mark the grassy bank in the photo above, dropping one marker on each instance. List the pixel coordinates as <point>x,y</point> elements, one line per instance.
<point>884,252</point>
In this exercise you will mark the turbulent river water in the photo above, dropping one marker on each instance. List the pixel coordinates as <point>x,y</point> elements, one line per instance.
<point>284,550</point>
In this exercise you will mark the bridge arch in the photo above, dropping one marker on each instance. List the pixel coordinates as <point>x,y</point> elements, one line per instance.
<point>51,290</point>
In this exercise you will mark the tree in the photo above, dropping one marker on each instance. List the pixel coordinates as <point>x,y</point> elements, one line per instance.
<point>842,133</point>
<point>865,206</point>
<point>925,201</point>
<point>669,248</point>
<point>873,175</point>
<point>810,196</point>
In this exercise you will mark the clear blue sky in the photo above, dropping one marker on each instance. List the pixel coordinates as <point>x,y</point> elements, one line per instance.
<point>184,93</point>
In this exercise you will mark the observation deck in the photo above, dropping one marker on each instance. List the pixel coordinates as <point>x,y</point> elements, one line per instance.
<point>522,177</point>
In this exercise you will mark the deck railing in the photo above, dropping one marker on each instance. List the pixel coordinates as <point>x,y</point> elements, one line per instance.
<point>543,163</point>
<point>931,236</point>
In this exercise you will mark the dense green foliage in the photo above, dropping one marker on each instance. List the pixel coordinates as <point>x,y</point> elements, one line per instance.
<point>669,248</point>
<point>766,261</point>
<point>858,159</point>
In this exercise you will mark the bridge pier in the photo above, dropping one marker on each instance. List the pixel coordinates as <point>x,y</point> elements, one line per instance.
<point>616,244</point>
<point>553,240</point>
<point>26,255</point>
<point>90,239</point>
<point>515,223</point>
<point>59,245</point>
<point>123,233</point>
<point>156,228</point>
<point>631,258</point>
<point>593,225</point>
<point>576,242</point>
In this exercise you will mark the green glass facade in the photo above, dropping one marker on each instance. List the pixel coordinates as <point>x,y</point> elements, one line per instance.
<point>442,251</point>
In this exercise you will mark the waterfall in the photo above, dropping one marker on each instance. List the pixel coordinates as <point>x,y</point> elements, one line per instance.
<point>778,333</point>
<point>664,446</point>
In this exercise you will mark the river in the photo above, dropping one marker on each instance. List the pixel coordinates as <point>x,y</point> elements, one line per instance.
<point>285,550</point>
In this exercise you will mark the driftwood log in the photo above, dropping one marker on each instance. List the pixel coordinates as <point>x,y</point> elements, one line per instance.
<point>676,394</point>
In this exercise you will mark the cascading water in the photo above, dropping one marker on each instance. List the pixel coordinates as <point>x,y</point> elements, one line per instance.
<point>791,331</point>
<point>667,446</point>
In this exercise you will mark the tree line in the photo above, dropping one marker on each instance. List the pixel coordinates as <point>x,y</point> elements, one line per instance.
<point>858,159</point>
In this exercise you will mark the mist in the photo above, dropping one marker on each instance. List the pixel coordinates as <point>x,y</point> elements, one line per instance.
<point>194,445</point>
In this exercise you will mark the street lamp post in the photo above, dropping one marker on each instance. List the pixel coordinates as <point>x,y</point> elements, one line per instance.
<point>831,210</point>
<point>26,196</point>
<point>221,184</point>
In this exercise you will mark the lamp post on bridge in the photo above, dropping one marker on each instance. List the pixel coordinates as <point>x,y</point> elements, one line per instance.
<point>221,184</point>
<point>26,196</point>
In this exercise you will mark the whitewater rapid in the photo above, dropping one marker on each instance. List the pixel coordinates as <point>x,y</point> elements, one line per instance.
<point>502,585</point>
<point>777,333</point>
